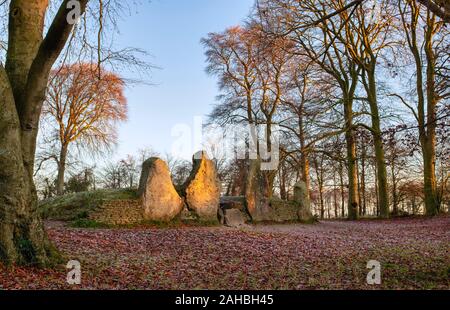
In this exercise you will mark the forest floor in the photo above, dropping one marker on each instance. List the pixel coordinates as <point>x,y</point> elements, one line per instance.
<point>413,252</point>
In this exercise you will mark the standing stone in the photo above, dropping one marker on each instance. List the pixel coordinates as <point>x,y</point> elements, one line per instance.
<point>301,197</point>
<point>202,189</point>
<point>160,199</point>
<point>256,200</point>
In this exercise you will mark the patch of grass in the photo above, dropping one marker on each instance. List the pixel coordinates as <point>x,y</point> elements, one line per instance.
<point>312,220</point>
<point>83,215</point>
<point>76,206</point>
<point>405,266</point>
<point>86,223</point>
<point>177,223</point>
<point>56,257</point>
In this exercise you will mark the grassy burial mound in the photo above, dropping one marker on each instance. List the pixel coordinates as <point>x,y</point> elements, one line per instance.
<point>198,203</point>
<point>86,208</point>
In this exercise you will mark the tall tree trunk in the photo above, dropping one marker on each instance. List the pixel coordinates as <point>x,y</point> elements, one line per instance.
<point>377,204</point>
<point>304,154</point>
<point>61,169</point>
<point>427,123</point>
<point>269,175</point>
<point>351,161</point>
<point>359,184</point>
<point>22,90</point>
<point>394,189</point>
<point>363,180</point>
<point>383,194</point>
<point>282,180</point>
<point>319,175</point>
<point>429,141</point>
<point>305,172</point>
<point>341,180</point>
<point>429,174</point>
<point>329,208</point>
<point>336,215</point>
<point>22,236</point>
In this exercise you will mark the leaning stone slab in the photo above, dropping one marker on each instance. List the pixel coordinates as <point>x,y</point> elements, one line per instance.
<point>202,189</point>
<point>160,199</point>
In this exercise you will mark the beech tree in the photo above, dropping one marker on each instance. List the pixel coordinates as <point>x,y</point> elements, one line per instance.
<point>352,41</point>
<point>23,81</point>
<point>251,70</point>
<point>82,107</point>
<point>365,37</point>
<point>308,24</point>
<point>37,37</point>
<point>305,114</point>
<point>427,41</point>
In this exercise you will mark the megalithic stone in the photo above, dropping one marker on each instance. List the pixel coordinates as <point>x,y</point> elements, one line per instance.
<point>256,201</point>
<point>160,200</point>
<point>202,189</point>
<point>301,197</point>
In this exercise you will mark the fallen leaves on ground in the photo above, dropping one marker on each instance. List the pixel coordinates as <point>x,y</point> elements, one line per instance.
<point>414,254</point>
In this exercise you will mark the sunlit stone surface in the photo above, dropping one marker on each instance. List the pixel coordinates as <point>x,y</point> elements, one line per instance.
<point>202,189</point>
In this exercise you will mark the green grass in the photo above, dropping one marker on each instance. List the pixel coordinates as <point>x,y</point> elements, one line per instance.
<point>86,223</point>
<point>76,208</point>
<point>73,207</point>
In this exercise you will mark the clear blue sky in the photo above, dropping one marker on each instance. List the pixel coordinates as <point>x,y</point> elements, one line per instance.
<point>170,30</point>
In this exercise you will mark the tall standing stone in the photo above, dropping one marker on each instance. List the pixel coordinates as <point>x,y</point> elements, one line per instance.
<point>301,197</point>
<point>254,191</point>
<point>160,199</point>
<point>202,189</point>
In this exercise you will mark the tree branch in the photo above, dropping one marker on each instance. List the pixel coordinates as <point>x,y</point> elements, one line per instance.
<point>407,105</point>
<point>440,11</point>
<point>49,51</point>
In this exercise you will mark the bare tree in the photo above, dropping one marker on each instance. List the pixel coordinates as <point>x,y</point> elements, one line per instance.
<point>83,108</point>
<point>424,37</point>
<point>439,7</point>
<point>251,70</point>
<point>37,36</point>
<point>308,24</point>
<point>23,80</point>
